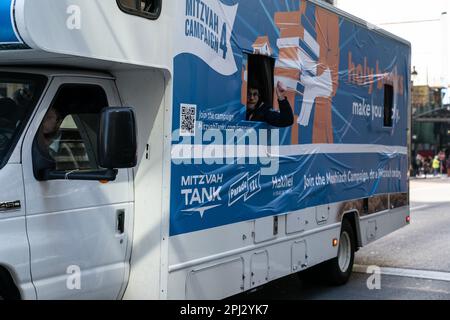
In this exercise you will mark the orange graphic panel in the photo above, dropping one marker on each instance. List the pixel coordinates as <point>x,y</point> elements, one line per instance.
<point>289,64</point>
<point>327,26</point>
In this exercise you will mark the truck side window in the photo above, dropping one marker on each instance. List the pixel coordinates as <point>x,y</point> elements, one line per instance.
<point>261,75</point>
<point>388,105</point>
<point>150,9</point>
<point>258,79</point>
<point>68,133</point>
<point>19,95</point>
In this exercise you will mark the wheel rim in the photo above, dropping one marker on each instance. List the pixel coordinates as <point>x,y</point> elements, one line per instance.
<point>344,252</point>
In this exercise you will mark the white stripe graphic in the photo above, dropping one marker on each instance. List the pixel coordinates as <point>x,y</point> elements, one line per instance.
<point>189,151</point>
<point>288,42</point>
<point>312,43</point>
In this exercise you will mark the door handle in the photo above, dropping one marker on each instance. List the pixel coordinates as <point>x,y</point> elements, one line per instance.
<point>120,221</point>
<point>8,206</point>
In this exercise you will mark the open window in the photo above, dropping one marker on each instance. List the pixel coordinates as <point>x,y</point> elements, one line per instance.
<point>261,75</point>
<point>388,105</point>
<point>19,94</point>
<point>150,9</point>
<point>68,135</point>
<point>257,76</point>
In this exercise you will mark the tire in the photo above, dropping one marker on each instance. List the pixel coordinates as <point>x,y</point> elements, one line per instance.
<point>8,290</point>
<point>338,270</point>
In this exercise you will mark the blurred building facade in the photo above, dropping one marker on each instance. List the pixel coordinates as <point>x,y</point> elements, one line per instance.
<point>430,120</point>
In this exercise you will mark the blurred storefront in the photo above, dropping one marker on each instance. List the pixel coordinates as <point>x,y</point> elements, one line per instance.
<point>430,121</point>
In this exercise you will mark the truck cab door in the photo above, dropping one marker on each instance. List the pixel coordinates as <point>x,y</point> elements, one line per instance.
<point>14,249</point>
<point>78,231</point>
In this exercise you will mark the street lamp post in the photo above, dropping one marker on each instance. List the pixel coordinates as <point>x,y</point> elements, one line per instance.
<point>414,74</point>
<point>412,137</point>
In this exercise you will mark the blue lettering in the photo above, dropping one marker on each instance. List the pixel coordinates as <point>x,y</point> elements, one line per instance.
<point>223,41</point>
<point>207,31</point>
<point>186,29</point>
<point>190,8</point>
<point>211,20</point>
<point>202,15</point>
<point>207,11</point>
<point>196,32</point>
<point>198,8</point>
<point>191,28</point>
<point>216,23</point>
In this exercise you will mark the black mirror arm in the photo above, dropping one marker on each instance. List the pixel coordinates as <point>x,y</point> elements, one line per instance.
<point>82,175</point>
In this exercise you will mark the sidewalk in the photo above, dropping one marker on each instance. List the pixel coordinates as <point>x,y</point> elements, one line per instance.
<point>430,177</point>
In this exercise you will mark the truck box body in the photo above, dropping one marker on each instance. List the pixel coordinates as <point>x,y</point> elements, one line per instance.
<point>216,205</point>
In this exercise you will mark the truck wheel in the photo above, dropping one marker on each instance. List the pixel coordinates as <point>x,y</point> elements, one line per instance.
<point>8,290</point>
<point>339,270</point>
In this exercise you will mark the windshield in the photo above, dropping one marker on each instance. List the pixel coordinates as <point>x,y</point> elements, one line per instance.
<point>19,94</point>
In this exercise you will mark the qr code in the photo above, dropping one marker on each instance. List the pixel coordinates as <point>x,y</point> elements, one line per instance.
<point>188,116</point>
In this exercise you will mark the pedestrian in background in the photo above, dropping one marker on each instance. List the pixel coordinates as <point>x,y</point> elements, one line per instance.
<point>419,164</point>
<point>448,167</point>
<point>442,161</point>
<point>436,165</point>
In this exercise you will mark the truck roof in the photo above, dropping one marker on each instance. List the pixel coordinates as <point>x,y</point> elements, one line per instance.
<point>107,38</point>
<point>51,71</point>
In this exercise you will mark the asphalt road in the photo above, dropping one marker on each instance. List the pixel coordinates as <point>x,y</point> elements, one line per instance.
<point>414,262</point>
<point>425,244</point>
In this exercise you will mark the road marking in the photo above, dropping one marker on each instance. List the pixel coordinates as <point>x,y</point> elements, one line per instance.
<point>428,206</point>
<point>408,273</point>
<point>420,207</point>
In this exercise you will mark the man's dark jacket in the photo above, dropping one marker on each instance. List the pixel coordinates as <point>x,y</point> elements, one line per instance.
<point>265,113</point>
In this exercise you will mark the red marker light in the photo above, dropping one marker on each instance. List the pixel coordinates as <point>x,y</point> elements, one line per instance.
<point>408,219</point>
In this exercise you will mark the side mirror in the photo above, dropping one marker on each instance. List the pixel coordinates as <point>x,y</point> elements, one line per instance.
<point>117,139</point>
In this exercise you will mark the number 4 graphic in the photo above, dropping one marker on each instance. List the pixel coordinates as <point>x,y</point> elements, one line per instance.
<point>223,41</point>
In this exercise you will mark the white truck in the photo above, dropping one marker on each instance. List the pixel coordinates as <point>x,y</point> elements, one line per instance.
<point>129,168</point>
